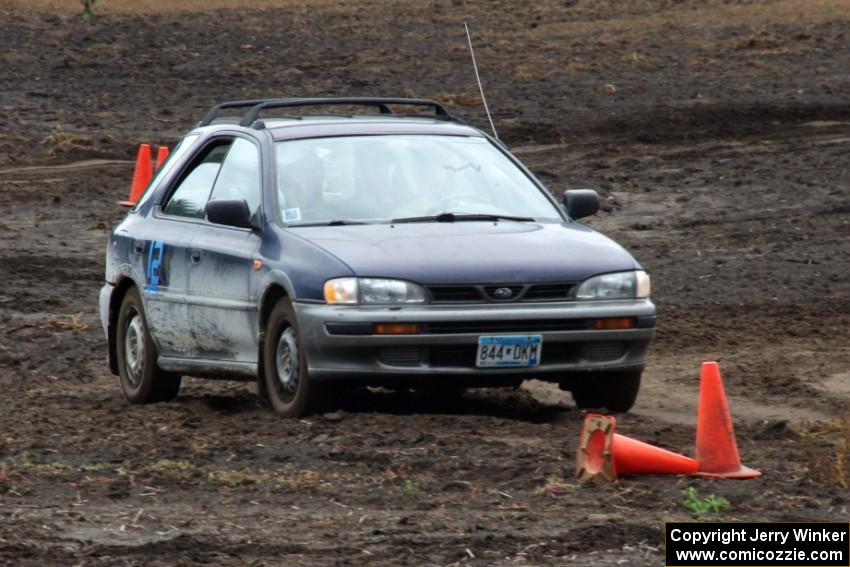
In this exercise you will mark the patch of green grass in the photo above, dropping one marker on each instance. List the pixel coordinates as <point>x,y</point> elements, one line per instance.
<point>238,478</point>
<point>95,467</point>
<point>704,504</point>
<point>301,481</point>
<point>167,469</point>
<point>88,8</point>
<point>53,468</point>
<point>413,488</point>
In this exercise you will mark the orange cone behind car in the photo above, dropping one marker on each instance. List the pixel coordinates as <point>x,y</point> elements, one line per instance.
<point>161,156</point>
<point>717,450</point>
<point>141,176</point>
<point>606,455</point>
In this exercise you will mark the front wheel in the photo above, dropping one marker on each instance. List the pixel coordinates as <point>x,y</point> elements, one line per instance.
<point>286,382</point>
<point>616,391</point>
<point>142,381</point>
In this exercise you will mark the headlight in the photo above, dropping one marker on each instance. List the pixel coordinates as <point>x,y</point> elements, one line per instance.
<point>341,290</point>
<point>622,285</point>
<point>372,291</point>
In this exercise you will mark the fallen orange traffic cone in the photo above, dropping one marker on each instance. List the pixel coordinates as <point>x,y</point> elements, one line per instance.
<point>161,156</point>
<point>606,455</point>
<point>717,451</point>
<point>141,176</point>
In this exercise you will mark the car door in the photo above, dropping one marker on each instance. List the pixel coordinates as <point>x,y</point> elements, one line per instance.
<point>223,309</point>
<point>163,243</point>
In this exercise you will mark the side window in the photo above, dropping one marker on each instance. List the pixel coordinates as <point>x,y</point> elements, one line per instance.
<point>240,175</point>
<point>193,190</point>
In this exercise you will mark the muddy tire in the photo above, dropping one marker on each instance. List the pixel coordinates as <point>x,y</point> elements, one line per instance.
<point>616,391</point>
<point>286,384</point>
<point>142,381</point>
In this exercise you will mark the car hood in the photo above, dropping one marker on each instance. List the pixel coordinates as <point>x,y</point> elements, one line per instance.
<point>472,252</point>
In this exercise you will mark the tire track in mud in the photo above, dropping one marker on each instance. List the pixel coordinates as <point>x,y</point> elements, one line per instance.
<point>73,166</point>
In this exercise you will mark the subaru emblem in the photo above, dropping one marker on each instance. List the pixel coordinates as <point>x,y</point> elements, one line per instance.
<point>503,293</point>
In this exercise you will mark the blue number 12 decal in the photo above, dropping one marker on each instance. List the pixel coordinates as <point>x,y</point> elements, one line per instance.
<point>154,265</point>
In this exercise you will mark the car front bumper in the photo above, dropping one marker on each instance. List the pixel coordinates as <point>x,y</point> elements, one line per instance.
<point>339,343</point>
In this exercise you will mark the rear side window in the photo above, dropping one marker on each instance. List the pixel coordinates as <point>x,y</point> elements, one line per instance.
<point>193,190</point>
<point>239,177</point>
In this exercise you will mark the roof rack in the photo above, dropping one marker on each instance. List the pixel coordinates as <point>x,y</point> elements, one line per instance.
<point>214,111</point>
<point>256,106</point>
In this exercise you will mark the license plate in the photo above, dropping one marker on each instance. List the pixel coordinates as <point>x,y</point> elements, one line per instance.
<point>512,350</point>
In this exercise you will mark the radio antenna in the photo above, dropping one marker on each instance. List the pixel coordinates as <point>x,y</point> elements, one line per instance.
<point>478,78</point>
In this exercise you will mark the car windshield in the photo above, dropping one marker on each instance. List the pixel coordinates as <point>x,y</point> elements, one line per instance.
<point>357,179</point>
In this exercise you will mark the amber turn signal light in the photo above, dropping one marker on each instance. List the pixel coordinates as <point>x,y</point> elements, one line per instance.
<point>396,328</point>
<point>615,324</point>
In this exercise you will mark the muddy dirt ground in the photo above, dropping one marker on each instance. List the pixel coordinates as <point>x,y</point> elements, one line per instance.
<point>717,133</point>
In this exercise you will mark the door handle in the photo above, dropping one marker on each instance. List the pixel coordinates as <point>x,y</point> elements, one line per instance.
<point>138,246</point>
<point>195,256</point>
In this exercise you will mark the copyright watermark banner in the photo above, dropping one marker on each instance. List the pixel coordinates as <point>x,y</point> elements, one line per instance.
<point>757,544</point>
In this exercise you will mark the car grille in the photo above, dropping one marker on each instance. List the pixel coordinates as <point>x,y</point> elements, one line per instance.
<point>605,351</point>
<point>492,292</point>
<point>549,292</point>
<point>463,356</point>
<point>498,293</point>
<point>400,356</point>
<point>455,294</point>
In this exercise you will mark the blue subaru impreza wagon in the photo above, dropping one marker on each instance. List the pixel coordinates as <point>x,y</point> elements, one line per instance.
<point>306,249</point>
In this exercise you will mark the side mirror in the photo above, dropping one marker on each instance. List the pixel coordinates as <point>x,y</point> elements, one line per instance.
<point>230,212</point>
<point>581,203</point>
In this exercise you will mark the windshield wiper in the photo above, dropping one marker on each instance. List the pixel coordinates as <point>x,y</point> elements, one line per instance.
<point>334,222</point>
<point>459,217</point>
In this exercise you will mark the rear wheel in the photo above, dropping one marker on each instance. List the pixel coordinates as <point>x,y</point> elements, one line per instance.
<point>616,391</point>
<point>142,381</point>
<point>286,382</point>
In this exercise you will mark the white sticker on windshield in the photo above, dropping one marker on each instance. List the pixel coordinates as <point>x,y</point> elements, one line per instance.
<point>291,215</point>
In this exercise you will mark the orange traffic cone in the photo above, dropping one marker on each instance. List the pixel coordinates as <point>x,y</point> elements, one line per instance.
<point>606,455</point>
<point>141,176</point>
<point>161,156</point>
<point>717,451</point>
